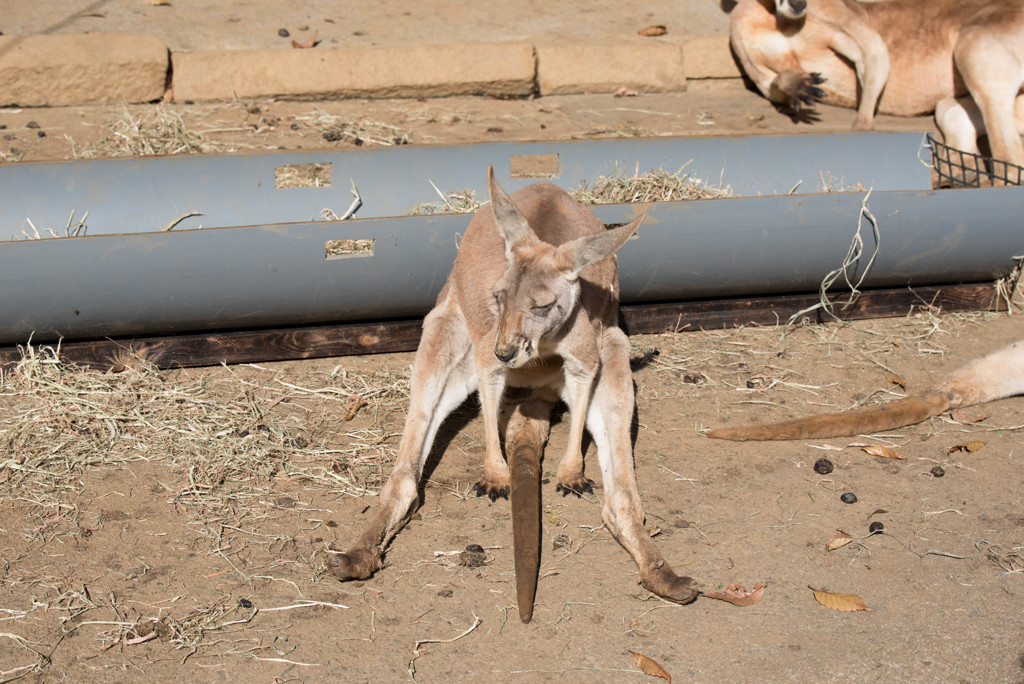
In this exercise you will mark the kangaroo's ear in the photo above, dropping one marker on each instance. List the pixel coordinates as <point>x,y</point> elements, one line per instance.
<point>575,255</point>
<point>511,224</point>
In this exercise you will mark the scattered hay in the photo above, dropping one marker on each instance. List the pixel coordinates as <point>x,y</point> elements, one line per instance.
<point>456,202</point>
<point>11,157</point>
<point>73,228</point>
<point>656,185</point>
<point>161,131</point>
<point>230,437</point>
<point>336,129</point>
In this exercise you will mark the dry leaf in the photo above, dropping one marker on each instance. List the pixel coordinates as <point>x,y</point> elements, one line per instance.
<point>961,417</point>
<point>838,540</point>
<point>883,451</point>
<point>626,92</point>
<point>896,380</point>
<point>158,3</point>
<point>648,666</point>
<point>655,532</point>
<point>312,42</point>
<point>737,595</point>
<point>651,31</point>
<point>877,511</point>
<point>970,447</point>
<point>841,602</point>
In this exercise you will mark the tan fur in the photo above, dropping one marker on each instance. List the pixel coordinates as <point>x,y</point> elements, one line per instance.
<point>996,376</point>
<point>532,302</point>
<point>962,59</point>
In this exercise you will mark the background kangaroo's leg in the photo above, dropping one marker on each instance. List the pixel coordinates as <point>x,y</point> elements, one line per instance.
<point>524,442</point>
<point>609,420</point>
<point>443,376</point>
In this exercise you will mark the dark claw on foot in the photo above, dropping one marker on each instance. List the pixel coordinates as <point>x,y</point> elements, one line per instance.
<point>577,489</point>
<point>491,493</point>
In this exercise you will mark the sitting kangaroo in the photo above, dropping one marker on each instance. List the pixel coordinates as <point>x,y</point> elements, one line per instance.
<point>532,302</point>
<point>958,58</point>
<point>996,376</point>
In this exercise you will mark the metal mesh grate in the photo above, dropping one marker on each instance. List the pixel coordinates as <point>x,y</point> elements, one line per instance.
<point>959,169</point>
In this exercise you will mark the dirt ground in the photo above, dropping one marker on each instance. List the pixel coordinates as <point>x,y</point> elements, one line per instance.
<point>173,525</point>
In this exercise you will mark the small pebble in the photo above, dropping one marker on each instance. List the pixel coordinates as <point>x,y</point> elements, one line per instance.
<point>876,527</point>
<point>750,384</point>
<point>938,471</point>
<point>283,33</point>
<point>41,134</point>
<point>849,497</point>
<point>245,603</point>
<point>473,556</point>
<point>32,124</point>
<point>823,466</point>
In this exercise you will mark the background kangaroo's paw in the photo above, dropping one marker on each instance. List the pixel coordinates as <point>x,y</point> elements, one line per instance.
<point>576,485</point>
<point>492,490</point>
<point>801,88</point>
<point>354,564</point>
<point>661,580</point>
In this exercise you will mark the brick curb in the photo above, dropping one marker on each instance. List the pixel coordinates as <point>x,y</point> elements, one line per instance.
<point>40,71</point>
<point>57,71</point>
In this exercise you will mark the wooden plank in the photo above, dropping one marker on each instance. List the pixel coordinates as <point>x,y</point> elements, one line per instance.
<point>251,346</point>
<point>656,318</point>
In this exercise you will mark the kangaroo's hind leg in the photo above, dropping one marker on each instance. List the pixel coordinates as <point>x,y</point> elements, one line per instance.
<point>609,420</point>
<point>443,376</point>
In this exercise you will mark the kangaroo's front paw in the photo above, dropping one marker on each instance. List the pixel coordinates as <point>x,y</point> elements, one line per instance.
<point>661,580</point>
<point>802,88</point>
<point>575,485</point>
<point>492,489</point>
<point>355,564</point>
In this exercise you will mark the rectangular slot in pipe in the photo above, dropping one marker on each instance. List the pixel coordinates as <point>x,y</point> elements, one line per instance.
<point>347,249</point>
<point>316,175</point>
<point>534,166</point>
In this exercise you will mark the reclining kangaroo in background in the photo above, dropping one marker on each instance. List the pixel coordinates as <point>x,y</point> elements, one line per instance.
<point>531,302</point>
<point>996,376</point>
<point>909,57</point>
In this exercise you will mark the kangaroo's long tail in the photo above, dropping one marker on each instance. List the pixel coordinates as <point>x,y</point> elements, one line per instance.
<point>996,376</point>
<point>906,411</point>
<point>525,480</point>
<point>526,433</point>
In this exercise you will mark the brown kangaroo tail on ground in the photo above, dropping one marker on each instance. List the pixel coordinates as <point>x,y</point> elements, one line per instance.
<point>525,467</point>
<point>992,377</point>
<point>526,433</point>
<point>895,414</point>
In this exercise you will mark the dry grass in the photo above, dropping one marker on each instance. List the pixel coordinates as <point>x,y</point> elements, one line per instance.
<point>12,156</point>
<point>456,202</point>
<point>337,129</point>
<point>160,131</point>
<point>656,185</point>
<point>231,437</point>
<point>619,187</point>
